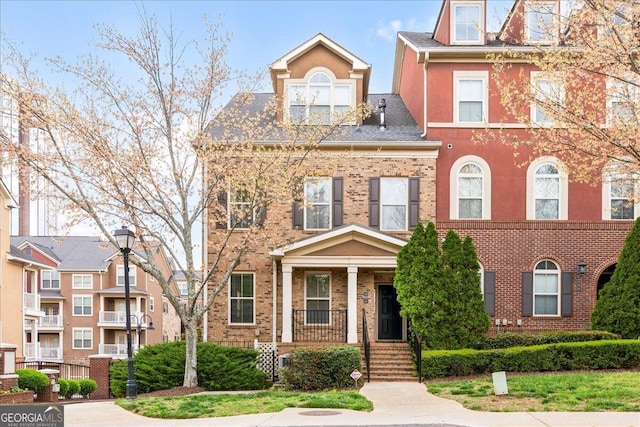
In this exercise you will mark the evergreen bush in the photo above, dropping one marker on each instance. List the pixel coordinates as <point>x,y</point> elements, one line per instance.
<point>87,387</point>
<point>512,339</point>
<point>32,379</point>
<point>64,386</point>
<point>72,389</point>
<point>321,369</point>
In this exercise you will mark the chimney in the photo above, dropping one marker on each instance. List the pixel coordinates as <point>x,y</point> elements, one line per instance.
<point>382,104</point>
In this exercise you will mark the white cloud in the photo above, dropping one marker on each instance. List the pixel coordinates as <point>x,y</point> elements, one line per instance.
<point>388,30</point>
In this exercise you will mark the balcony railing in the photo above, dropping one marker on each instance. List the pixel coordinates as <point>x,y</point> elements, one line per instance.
<point>31,301</point>
<point>30,350</point>
<point>319,325</point>
<point>117,317</point>
<point>50,353</point>
<point>50,321</point>
<point>115,350</point>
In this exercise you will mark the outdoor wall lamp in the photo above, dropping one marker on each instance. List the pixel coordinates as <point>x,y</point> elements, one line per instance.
<point>582,268</point>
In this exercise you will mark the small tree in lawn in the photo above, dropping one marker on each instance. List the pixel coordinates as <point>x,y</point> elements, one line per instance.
<point>617,309</point>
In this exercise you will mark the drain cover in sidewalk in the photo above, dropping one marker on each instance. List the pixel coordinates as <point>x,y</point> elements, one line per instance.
<point>319,413</point>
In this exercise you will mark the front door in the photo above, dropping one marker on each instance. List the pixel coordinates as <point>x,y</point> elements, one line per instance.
<point>389,319</point>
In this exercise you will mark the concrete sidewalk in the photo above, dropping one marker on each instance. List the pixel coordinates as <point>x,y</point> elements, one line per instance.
<point>395,404</point>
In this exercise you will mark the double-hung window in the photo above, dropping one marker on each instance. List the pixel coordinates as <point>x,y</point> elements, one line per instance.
<point>541,19</point>
<point>470,188</point>
<point>82,281</point>
<point>467,23</point>
<point>394,195</point>
<point>546,289</point>
<point>622,198</point>
<point>50,279</point>
<point>318,203</point>
<point>471,95</point>
<point>242,298</point>
<point>622,100</point>
<point>120,274</point>
<point>547,192</point>
<point>548,95</point>
<point>241,214</point>
<point>82,338</point>
<point>82,305</point>
<point>318,298</point>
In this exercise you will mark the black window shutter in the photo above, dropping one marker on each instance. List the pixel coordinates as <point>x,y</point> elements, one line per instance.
<point>490,292</point>
<point>374,202</point>
<point>414,202</point>
<point>221,224</point>
<point>298,204</point>
<point>261,215</point>
<point>527,293</point>
<point>337,205</point>
<point>566,308</point>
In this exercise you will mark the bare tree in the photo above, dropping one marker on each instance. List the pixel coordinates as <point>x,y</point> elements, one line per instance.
<point>131,144</point>
<point>582,106</point>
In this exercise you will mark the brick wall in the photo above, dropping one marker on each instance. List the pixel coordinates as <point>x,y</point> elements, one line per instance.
<point>99,372</point>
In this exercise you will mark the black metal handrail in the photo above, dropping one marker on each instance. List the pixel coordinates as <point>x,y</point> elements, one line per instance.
<point>319,325</point>
<point>415,343</point>
<point>367,345</point>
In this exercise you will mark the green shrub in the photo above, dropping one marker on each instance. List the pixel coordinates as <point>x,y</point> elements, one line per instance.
<point>321,369</point>
<point>87,387</point>
<point>512,339</point>
<point>64,387</point>
<point>32,379</point>
<point>603,354</point>
<point>72,389</point>
<point>161,367</point>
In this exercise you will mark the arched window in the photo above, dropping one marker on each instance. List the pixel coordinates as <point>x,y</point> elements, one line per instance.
<point>319,97</point>
<point>546,289</point>
<point>547,188</point>
<point>470,192</point>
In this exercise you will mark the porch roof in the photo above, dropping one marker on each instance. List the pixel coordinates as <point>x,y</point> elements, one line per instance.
<point>349,245</point>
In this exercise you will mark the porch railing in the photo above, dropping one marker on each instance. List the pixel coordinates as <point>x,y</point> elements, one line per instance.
<point>367,344</point>
<point>319,325</point>
<point>415,343</point>
<point>50,321</point>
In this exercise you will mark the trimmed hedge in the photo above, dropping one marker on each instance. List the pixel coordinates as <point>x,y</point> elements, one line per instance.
<point>32,379</point>
<point>87,387</point>
<point>321,369</point>
<point>161,367</point>
<point>603,354</point>
<point>512,339</point>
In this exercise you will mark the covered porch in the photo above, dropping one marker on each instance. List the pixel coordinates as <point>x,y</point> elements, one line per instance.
<point>331,282</point>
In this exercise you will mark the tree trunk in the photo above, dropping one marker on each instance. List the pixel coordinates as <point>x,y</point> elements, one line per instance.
<point>191,360</point>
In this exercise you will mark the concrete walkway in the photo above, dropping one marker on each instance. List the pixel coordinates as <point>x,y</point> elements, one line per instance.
<point>395,404</point>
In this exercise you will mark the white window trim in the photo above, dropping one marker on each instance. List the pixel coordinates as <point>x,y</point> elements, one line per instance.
<point>609,176</point>
<point>612,88</point>
<point>152,304</point>
<point>527,31</point>
<point>132,274</point>
<point>563,205</point>
<point>534,78</point>
<point>73,304</point>
<point>486,187</point>
<point>481,23</point>
<point>471,75</point>
<point>313,273</point>
<point>406,204</point>
<point>73,281</point>
<point>251,221</point>
<point>558,293</point>
<point>305,81</point>
<point>307,204</point>
<point>230,297</point>
<point>73,338</point>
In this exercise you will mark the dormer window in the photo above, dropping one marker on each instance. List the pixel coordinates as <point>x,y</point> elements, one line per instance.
<point>320,98</point>
<point>467,23</point>
<point>540,22</point>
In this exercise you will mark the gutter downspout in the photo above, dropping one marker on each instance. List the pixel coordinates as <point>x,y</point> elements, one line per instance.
<point>274,281</point>
<point>424,73</point>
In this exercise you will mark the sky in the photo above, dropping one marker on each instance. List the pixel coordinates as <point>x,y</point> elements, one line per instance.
<point>261,31</point>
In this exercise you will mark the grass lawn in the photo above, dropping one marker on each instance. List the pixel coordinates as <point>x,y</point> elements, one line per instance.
<point>584,391</point>
<point>223,405</point>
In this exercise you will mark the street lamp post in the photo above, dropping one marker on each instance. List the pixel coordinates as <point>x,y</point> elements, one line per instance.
<point>125,239</point>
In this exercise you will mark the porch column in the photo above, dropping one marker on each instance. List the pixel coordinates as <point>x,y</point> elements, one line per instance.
<point>287,303</point>
<point>352,305</point>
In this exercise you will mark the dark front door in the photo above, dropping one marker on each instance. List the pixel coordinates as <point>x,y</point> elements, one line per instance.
<point>389,320</point>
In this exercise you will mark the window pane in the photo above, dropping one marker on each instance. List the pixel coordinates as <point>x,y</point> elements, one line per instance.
<point>546,304</point>
<point>317,217</point>
<point>394,191</point>
<point>547,209</point>
<point>547,187</point>
<point>318,286</point>
<point>320,78</point>
<point>470,209</point>
<point>470,111</point>
<point>469,187</point>
<point>546,284</point>
<point>297,94</point>
<point>342,95</point>
<point>467,19</point>
<point>394,217</point>
<point>320,95</point>
<point>470,90</point>
<point>318,190</point>
<point>622,209</point>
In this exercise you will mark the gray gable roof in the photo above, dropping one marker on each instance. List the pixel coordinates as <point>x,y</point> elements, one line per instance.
<point>426,41</point>
<point>401,126</point>
<point>75,253</point>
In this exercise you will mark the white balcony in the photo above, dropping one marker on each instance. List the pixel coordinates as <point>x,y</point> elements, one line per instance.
<point>30,351</point>
<point>50,353</point>
<point>50,321</point>
<point>115,350</point>
<point>31,302</point>
<point>117,318</point>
